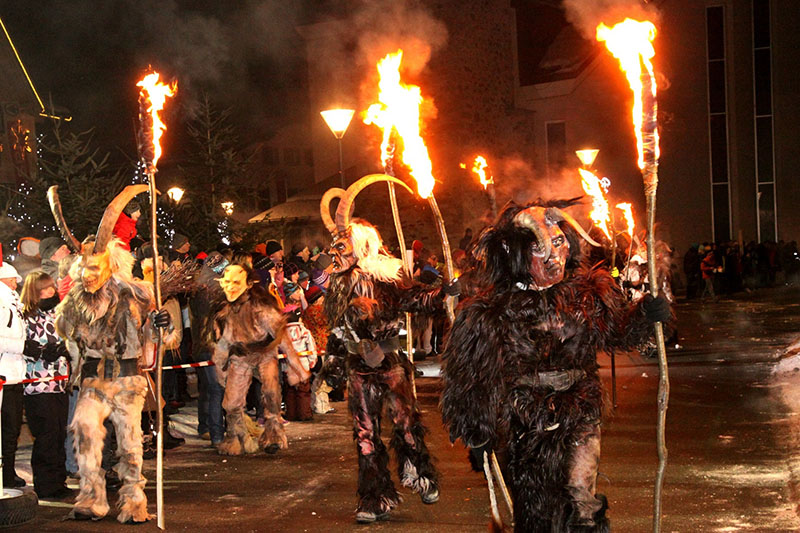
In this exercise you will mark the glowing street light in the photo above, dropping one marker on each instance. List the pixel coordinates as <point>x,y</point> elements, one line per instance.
<point>338,120</point>
<point>227,207</point>
<point>587,156</point>
<point>175,194</point>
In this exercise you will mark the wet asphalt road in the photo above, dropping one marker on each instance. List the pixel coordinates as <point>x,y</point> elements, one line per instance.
<point>732,432</point>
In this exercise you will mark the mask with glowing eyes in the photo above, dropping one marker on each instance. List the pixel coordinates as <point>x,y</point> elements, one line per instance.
<point>234,282</point>
<point>96,271</point>
<point>342,254</point>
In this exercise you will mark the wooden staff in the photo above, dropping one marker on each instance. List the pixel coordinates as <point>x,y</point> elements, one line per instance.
<point>448,258</point>
<point>401,240</point>
<point>650,178</point>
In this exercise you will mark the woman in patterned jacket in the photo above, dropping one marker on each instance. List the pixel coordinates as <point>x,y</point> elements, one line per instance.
<point>46,402</point>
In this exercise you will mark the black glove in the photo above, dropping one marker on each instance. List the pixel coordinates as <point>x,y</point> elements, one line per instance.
<point>53,351</point>
<point>656,309</point>
<point>32,350</point>
<point>453,288</point>
<point>161,319</point>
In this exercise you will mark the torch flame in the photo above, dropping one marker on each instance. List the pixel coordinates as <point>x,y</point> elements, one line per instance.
<point>156,94</point>
<point>627,212</point>
<point>630,42</point>
<point>479,167</point>
<point>600,214</point>
<point>399,109</point>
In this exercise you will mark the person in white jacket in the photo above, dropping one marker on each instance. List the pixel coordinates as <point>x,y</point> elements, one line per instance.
<point>12,369</point>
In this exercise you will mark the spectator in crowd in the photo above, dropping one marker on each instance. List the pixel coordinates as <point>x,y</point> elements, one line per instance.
<point>125,228</point>
<point>691,269</point>
<point>300,255</point>
<point>52,250</point>
<point>46,403</point>
<point>12,367</point>
<point>708,267</point>
<point>320,272</point>
<point>180,248</point>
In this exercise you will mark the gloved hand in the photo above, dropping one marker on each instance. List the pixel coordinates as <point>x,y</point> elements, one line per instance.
<point>161,319</point>
<point>656,309</point>
<point>453,288</point>
<point>476,456</point>
<point>32,350</point>
<point>52,351</point>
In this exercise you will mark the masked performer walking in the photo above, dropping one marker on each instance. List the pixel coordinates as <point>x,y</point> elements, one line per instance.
<point>249,328</point>
<point>366,300</point>
<point>109,324</point>
<point>520,369</point>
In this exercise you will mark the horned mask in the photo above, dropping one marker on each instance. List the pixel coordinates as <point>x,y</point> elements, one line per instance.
<point>352,240</point>
<point>549,252</point>
<point>97,264</point>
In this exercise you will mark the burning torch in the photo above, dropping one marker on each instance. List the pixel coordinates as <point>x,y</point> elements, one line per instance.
<point>631,42</point>
<point>152,96</point>
<point>399,110</point>
<point>480,167</point>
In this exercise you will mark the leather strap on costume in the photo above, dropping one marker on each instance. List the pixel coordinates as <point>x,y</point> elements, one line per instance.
<point>559,380</point>
<point>120,368</point>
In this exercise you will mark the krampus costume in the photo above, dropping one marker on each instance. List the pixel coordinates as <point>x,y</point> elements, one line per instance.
<point>365,304</point>
<point>520,370</point>
<point>108,323</point>
<point>248,329</point>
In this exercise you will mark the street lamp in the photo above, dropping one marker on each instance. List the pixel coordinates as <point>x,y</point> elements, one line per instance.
<point>587,156</point>
<point>175,194</point>
<point>227,207</point>
<point>338,120</point>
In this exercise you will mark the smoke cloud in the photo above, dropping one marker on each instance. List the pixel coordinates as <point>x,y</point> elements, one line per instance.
<point>586,15</point>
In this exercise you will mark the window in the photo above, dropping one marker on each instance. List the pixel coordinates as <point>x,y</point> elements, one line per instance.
<point>763,121</point>
<point>556,135</point>
<point>718,123</point>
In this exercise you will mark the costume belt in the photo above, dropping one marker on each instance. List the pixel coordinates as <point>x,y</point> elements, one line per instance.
<point>372,352</point>
<point>116,368</point>
<point>560,380</point>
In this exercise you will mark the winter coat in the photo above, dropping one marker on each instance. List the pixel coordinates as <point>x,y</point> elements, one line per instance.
<point>42,329</point>
<point>12,335</point>
<point>125,229</point>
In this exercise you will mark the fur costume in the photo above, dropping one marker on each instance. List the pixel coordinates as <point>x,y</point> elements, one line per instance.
<point>520,371</point>
<point>249,328</point>
<point>106,322</point>
<point>365,304</point>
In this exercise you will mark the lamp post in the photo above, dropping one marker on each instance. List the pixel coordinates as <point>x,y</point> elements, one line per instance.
<point>338,121</point>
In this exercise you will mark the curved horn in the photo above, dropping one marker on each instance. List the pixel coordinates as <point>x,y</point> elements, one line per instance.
<point>55,206</point>
<point>111,214</point>
<point>558,214</point>
<point>325,207</point>
<point>526,219</point>
<point>345,209</point>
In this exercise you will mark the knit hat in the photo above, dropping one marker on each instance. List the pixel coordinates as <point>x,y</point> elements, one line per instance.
<point>290,288</point>
<point>179,240</point>
<point>297,248</point>
<point>313,294</point>
<point>48,246</point>
<point>8,271</point>
<point>319,277</point>
<point>289,269</point>
<point>323,261</point>
<point>261,248</point>
<point>303,275</point>
<point>272,247</point>
<point>132,207</point>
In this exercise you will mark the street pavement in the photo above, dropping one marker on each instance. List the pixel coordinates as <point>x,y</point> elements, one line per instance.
<point>732,432</point>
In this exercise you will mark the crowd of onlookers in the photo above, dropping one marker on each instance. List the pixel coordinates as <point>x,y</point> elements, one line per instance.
<point>712,269</point>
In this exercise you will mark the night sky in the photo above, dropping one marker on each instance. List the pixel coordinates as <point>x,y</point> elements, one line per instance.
<point>87,55</point>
